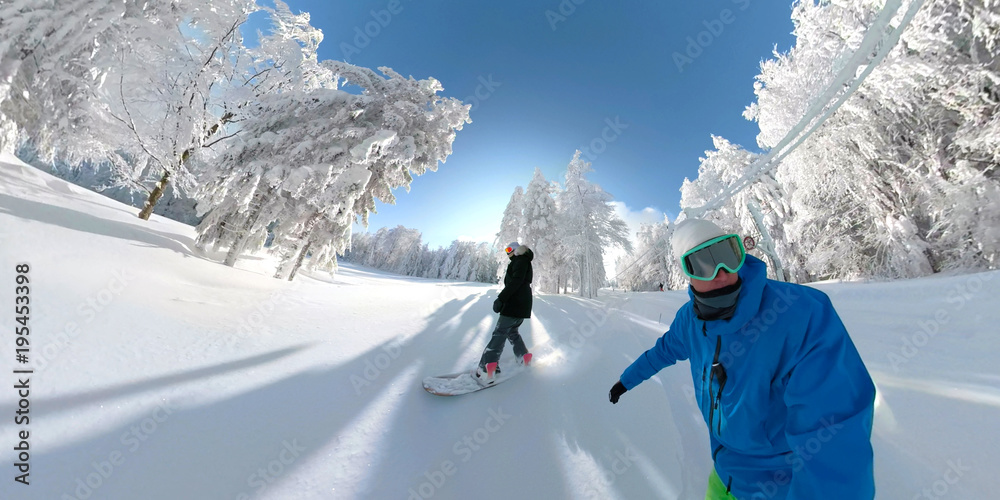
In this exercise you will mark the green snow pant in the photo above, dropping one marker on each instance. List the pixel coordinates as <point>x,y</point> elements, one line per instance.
<point>717,490</point>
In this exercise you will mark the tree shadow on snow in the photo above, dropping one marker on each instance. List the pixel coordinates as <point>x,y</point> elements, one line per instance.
<point>248,442</point>
<point>82,221</point>
<point>482,445</point>
<point>928,433</point>
<point>367,422</point>
<point>63,403</point>
<point>650,436</point>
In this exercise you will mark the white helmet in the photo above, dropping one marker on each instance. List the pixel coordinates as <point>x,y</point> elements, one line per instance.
<point>691,233</point>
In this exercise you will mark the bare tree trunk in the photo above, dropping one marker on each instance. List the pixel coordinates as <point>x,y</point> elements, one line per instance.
<point>290,264</point>
<point>299,259</point>
<point>256,207</point>
<point>154,196</point>
<point>218,241</point>
<point>161,186</point>
<point>282,271</point>
<point>234,252</point>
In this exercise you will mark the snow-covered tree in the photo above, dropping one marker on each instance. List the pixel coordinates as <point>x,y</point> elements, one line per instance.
<point>399,250</point>
<point>286,103</point>
<point>569,228</point>
<point>287,57</point>
<point>588,227</point>
<point>902,180</point>
<point>510,227</point>
<point>53,53</point>
<point>162,117</point>
<point>540,230</point>
<point>143,87</point>
<point>651,262</point>
<point>308,163</point>
<point>723,166</point>
<point>425,124</point>
<point>405,129</point>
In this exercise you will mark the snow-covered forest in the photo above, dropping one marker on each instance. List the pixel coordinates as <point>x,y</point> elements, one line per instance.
<point>401,250</point>
<point>901,182</point>
<point>256,129</point>
<point>570,227</point>
<point>162,375</point>
<point>225,355</point>
<point>146,99</point>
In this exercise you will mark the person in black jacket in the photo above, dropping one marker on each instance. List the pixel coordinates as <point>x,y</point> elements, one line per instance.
<point>514,305</point>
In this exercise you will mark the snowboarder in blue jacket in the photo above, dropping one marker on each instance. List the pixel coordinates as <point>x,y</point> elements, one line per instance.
<point>787,399</point>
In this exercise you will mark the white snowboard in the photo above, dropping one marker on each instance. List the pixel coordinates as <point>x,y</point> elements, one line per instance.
<point>455,384</point>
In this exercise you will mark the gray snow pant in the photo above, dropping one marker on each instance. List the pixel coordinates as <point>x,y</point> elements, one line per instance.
<point>506,330</point>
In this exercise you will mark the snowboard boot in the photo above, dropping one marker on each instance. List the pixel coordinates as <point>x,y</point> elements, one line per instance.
<point>524,360</point>
<point>489,376</point>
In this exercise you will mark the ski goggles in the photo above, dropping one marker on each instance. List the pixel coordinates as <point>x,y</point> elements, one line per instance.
<point>508,250</point>
<point>704,261</point>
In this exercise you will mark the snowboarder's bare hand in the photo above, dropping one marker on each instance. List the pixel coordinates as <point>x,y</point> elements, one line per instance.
<point>616,392</point>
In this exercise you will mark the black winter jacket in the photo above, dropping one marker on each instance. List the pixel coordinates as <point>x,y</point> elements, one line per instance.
<point>516,293</point>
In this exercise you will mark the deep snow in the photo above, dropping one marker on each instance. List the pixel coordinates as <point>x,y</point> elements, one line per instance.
<point>162,374</point>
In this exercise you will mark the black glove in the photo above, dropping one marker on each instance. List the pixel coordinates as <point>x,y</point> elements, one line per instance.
<point>497,305</point>
<point>616,392</point>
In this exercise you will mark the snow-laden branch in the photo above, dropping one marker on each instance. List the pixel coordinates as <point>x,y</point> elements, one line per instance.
<point>879,36</point>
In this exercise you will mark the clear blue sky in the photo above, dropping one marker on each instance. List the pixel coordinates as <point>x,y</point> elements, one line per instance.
<point>552,76</point>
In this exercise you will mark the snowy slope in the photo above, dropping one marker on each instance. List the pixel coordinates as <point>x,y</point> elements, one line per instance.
<point>161,374</point>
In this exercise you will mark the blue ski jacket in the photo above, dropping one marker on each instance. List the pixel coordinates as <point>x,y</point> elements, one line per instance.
<point>787,399</point>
